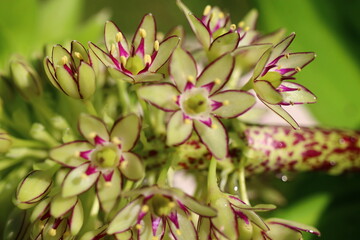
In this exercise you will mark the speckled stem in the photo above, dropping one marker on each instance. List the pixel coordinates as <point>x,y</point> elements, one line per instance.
<point>282,149</point>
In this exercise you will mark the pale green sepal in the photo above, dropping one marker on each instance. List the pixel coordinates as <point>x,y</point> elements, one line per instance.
<point>148,77</point>
<point>40,209</point>
<point>186,230</point>
<point>34,187</point>
<point>204,226</point>
<point>78,48</point>
<point>92,234</point>
<point>250,19</point>
<point>58,53</point>
<point>267,92</point>
<point>250,54</point>
<point>223,44</point>
<point>67,154</point>
<point>273,37</point>
<point>281,47</point>
<point>108,192</point>
<point>182,66</point>
<point>245,229</point>
<point>132,167</point>
<point>282,113</point>
<point>126,130</point>
<point>280,232</point>
<point>261,64</point>
<point>67,82</point>
<point>178,130</point>
<point>296,60</point>
<point>118,75</point>
<point>253,217</point>
<point>91,126</point>
<point>166,48</point>
<point>77,181</point>
<point>110,38</point>
<point>293,225</point>
<point>214,137</point>
<point>225,219</point>
<point>162,96</point>
<point>300,95</point>
<point>77,218</point>
<point>234,103</point>
<point>126,218</point>
<point>50,73</point>
<point>60,205</point>
<point>147,24</point>
<point>219,70</point>
<point>145,232</point>
<point>178,31</point>
<point>86,80</point>
<point>127,235</point>
<point>101,55</point>
<point>47,232</point>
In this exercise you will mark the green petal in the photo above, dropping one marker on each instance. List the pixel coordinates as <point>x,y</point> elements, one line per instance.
<point>109,192</point>
<point>214,138</point>
<point>267,92</point>
<point>101,55</point>
<point>223,44</point>
<point>182,65</point>
<point>280,232</point>
<point>58,52</point>
<point>234,103</point>
<point>77,47</point>
<point>220,69</point>
<point>127,235</point>
<point>77,218</point>
<point>67,154</point>
<point>166,48</point>
<point>296,60</point>
<point>60,205</point>
<point>293,225</point>
<point>261,64</point>
<point>86,80</point>
<point>67,82</point>
<point>178,31</point>
<point>178,131</point>
<point>299,96</point>
<point>92,234</point>
<point>282,113</point>
<point>126,218</point>
<point>251,53</point>
<point>77,182</point>
<point>118,75</point>
<point>148,77</point>
<point>40,209</point>
<point>90,126</point>
<point>132,168</point>
<point>273,37</point>
<point>225,219</point>
<point>204,226</point>
<point>281,46</point>
<point>197,26</point>
<point>250,18</point>
<point>50,73</point>
<point>160,95</point>
<point>34,187</point>
<point>253,217</point>
<point>148,24</point>
<point>186,230</point>
<point>110,37</point>
<point>127,130</point>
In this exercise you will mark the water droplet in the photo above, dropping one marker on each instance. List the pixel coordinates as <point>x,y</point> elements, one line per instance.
<point>236,188</point>
<point>284,178</point>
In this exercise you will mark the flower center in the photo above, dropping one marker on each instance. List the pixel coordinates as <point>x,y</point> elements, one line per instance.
<point>135,64</point>
<point>105,156</point>
<point>274,78</point>
<point>161,206</point>
<point>195,102</point>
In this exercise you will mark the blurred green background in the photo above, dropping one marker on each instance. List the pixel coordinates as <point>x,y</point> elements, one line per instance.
<point>329,28</point>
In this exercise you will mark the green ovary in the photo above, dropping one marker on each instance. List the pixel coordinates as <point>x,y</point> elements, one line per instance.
<point>196,104</point>
<point>135,64</point>
<point>161,205</point>
<point>106,158</point>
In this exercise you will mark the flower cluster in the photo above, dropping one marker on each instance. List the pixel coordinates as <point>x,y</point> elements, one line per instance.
<point>96,156</point>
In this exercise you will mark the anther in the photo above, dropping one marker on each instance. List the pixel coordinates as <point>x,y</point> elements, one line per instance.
<point>156,45</point>
<point>214,126</point>
<point>123,164</point>
<point>64,60</point>
<point>178,232</point>
<point>145,208</point>
<point>116,140</point>
<point>147,59</point>
<point>221,15</point>
<point>298,69</point>
<point>154,238</point>
<point>233,27</point>
<point>78,55</point>
<point>171,204</point>
<point>226,102</point>
<point>123,60</point>
<point>52,232</point>
<point>175,98</point>
<point>287,55</point>
<point>247,28</point>
<point>113,49</point>
<point>138,226</point>
<point>92,135</point>
<point>207,10</point>
<point>187,121</point>
<point>84,176</point>
<point>119,37</point>
<point>77,154</point>
<point>108,184</point>
<point>241,24</point>
<point>217,81</point>
<point>191,78</point>
<point>142,33</point>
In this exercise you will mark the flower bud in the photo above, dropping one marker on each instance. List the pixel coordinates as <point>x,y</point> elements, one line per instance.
<point>71,72</point>
<point>26,79</point>
<point>5,141</point>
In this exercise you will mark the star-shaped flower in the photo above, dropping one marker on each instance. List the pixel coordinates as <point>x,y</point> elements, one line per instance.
<point>156,212</point>
<point>198,101</point>
<point>268,79</point>
<point>139,61</point>
<point>101,154</point>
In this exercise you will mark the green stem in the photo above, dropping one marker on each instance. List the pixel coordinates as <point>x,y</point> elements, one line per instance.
<point>242,185</point>
<point>90,107</point>
<point>163,177</point>
<point>212,185</point>
<point>26,143</point>
<point>249,85</point>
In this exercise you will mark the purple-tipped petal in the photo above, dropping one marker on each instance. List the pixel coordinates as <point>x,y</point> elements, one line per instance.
<point>92,129</point>
<point>112,33</point>
<point>266,92</point>
<point>166,48</point>
<point>71,154</point>
<point>282,113</point>
<point>281,47</point>
<point>127,131</point>
<point>293,93</point>
<point>179,129</point>
<point>148,24</point>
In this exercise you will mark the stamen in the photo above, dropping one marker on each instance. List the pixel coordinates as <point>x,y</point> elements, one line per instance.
<point>42,225</point>
<point>155,238</point>
<point>187,121</point>
<point>116,140</point>
<point>214,126</point>
<point>92,135</point>
<point>298,69</point>
<point>64,60</point>
<point>84,176</point>
<point>124,164</point>
<point>77,154</point>
<point>178,232</point>
<point>232,27</point>
<point>156,45</point>
<point>147,59</point>
<point>191,79</point>
<point>78,55</point>
<point>145,208</point>
<point>207,10</point>
<point>247,28</point>
<point>287,55</point>
<point>221,15</point>
<point>217,81</point>
<point>52,232</point>
<point>226,102</point>
<point>113,49</point>
<point>119,37</point>
<point>142,33</point>
<point>108,184</point>
<point>175,98</point>
<point>241,24</point>
<point>123,60</point>
<point>171,204</point>
<point>138,226</point>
